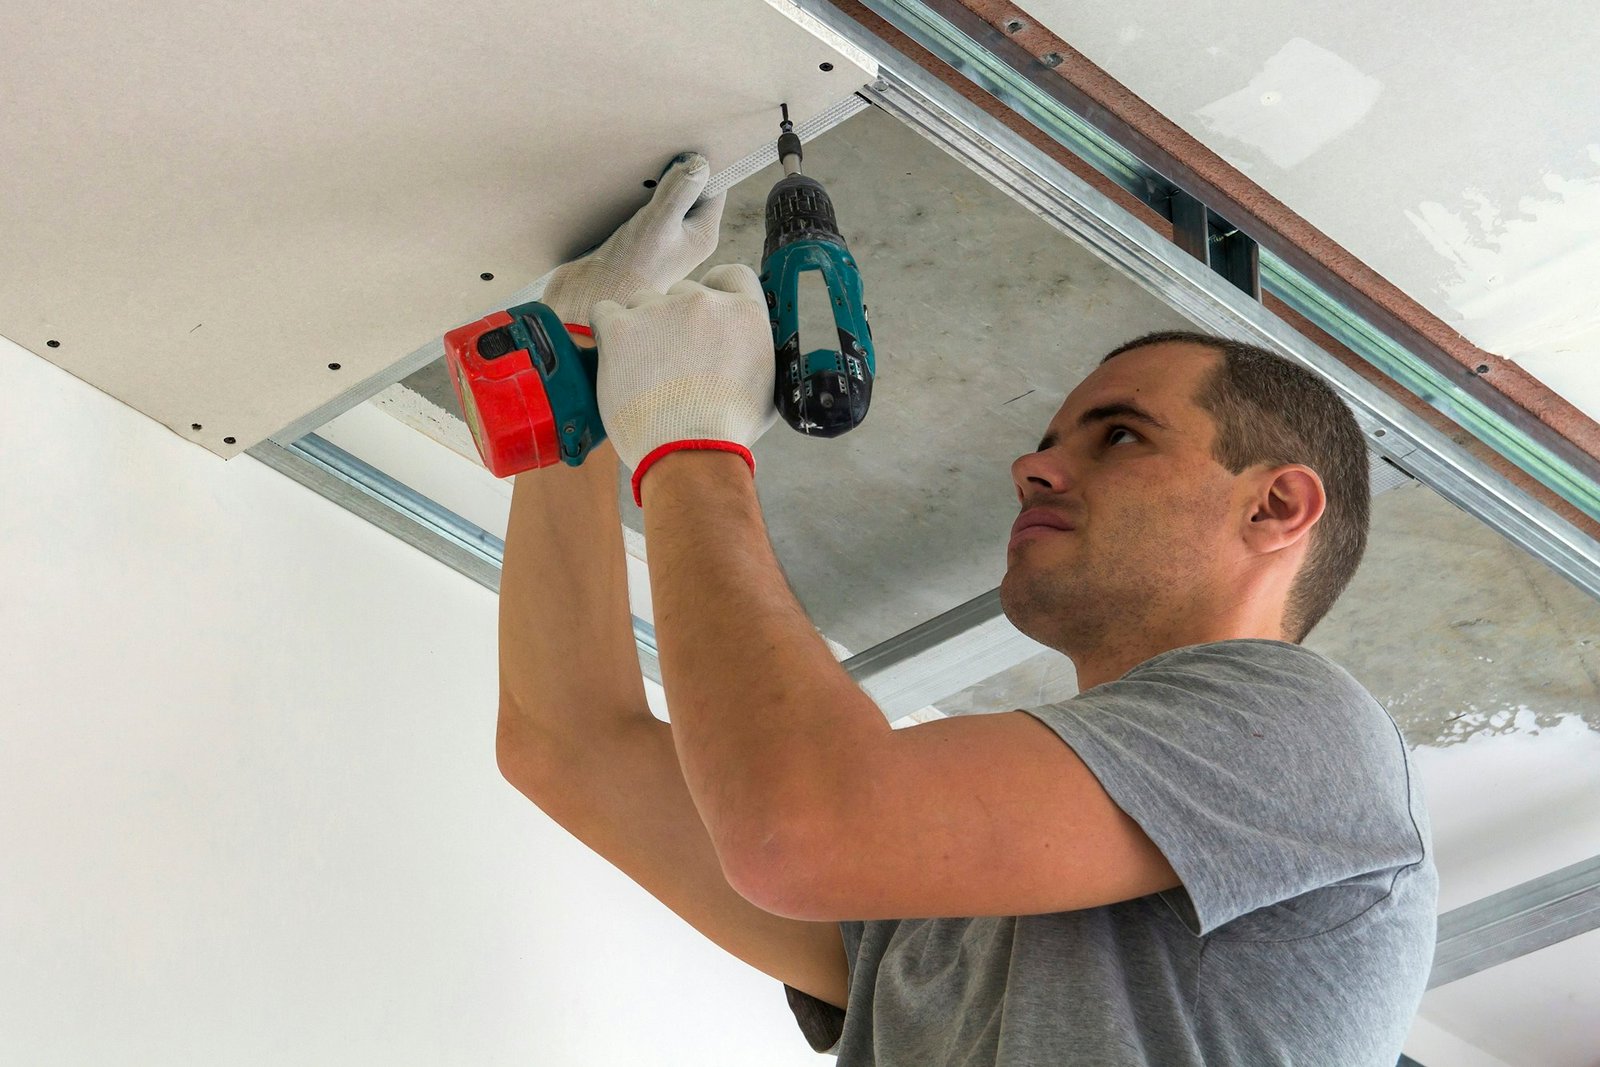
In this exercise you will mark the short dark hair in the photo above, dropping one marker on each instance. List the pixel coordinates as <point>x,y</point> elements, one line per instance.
<point>1270,410</point>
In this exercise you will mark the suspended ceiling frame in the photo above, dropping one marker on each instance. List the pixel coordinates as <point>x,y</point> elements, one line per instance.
<point>973,641</point>
<point>1011,66</point>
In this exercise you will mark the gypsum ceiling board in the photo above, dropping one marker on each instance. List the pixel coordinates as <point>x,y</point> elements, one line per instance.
<point>207,206</point>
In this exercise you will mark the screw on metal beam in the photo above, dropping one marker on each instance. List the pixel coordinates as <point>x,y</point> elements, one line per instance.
<point>1215,242</point>
<point>1233,255</point>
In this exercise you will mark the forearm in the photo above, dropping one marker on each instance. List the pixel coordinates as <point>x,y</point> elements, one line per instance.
<point>568,663</point>
<point>764,717</point>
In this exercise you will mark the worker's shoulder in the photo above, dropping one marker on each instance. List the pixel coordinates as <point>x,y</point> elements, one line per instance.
<point>1247,658</point>
<point>1257,670</point>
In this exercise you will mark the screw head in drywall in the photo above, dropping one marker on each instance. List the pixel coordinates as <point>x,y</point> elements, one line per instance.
<point>53,344</point>
<point>228,441</point>
<point>333,366</point>
<point>195,426</point>
<point>1051,59</point>
<point>486,276</point>
<point>824,67</point>
<point>649,183</point>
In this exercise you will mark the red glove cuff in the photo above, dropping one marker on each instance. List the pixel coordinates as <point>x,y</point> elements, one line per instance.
<point>683,446</point>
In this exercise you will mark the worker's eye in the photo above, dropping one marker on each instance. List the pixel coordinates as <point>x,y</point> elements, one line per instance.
<point>1113,431</point>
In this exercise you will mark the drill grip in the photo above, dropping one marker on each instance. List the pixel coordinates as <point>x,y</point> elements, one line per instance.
<point>825,392</point>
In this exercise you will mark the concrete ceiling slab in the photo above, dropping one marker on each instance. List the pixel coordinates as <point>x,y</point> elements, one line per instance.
<point>1449,146</point>
<point>208,206</point>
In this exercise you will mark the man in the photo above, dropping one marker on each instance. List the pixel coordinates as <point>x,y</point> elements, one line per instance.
<point>1216,853</point>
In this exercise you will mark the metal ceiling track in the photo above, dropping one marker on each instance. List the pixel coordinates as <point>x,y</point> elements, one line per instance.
<point>973,642</point>
<point>393,506</point>
<point>1520,920</point>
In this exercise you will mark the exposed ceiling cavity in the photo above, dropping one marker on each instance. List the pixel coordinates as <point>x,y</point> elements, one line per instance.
<point>1449,146</point>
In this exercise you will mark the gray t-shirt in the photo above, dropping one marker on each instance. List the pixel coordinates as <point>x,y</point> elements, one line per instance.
<point>1281,793</point>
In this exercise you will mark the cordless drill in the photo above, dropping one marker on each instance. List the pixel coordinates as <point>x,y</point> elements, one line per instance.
<point>528,392</point>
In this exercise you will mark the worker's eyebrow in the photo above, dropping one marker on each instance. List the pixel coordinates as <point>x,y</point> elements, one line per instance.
<point>1121,409</point>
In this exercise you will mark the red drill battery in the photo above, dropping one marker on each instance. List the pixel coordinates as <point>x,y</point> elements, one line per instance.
<point>527,392</point>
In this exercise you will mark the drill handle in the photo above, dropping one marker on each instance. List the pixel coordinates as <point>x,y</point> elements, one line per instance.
<point>824,392</point>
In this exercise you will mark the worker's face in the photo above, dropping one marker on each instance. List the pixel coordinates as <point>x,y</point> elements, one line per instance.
<point>1149,505</point>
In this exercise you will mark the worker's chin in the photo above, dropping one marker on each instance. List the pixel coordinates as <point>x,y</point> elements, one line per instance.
<point>1026,600</point>
<point>1040,601</point>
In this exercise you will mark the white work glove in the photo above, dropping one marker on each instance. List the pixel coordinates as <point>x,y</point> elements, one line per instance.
<point>692,367</point>
<point>660,245</point>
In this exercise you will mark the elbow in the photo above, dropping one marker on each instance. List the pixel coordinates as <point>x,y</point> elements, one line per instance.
<point>520,753</point>
<point>777,869</point>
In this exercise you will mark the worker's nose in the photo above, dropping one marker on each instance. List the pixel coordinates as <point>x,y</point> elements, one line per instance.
<point>1040,472</point>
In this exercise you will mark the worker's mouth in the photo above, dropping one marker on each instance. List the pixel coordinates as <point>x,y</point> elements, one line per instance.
<point>1030,532</point>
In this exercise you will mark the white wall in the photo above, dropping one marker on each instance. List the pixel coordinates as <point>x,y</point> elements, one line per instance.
<point>249,810</point>
<point>1433,1046</point>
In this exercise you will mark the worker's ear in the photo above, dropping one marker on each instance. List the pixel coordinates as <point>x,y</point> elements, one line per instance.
<point>1286,503</point>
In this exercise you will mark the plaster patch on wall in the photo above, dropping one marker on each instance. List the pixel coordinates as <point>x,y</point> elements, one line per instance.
<point>1301,100</point>
<point>1494,721</point>
<point>1524,280</point>
<point>1489,718</point>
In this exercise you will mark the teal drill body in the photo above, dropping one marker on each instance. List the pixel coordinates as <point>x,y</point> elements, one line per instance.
<point>824,392</point>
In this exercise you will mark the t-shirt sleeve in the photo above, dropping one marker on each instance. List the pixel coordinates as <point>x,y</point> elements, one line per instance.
<point>1261,770</point>
<point>823,1023</point>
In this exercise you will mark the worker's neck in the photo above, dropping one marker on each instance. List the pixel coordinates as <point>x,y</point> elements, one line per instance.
<point>1114,654</point>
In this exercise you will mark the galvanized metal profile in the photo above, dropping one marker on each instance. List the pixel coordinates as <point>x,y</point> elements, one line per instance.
<point>1217,243</point>
<point>1520,920</point>
<point>393,506</point>
<point>942,656</point>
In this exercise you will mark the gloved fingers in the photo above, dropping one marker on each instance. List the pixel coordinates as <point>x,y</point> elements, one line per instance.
<point>603,313</point>
<point>644,297</point>
<point>680,186</point>
<point>606,310</point>
<point>734,278</point>
<point>704,222</point>
<point>688,285</point>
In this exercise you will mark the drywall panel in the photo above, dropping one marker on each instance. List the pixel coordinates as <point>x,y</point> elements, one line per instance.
<point>207,207</point>
<point>1450,146</point>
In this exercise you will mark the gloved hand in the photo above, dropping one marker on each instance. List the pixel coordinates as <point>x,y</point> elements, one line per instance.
<point>692,367</point>
<point>660,245</point>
